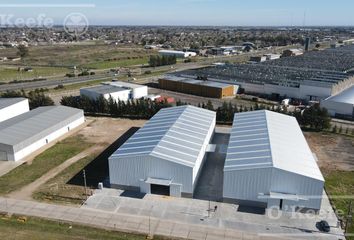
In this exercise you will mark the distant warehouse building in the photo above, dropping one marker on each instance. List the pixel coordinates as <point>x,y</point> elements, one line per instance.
<point>177,54</point>
<point>107,92</point>
<point>165,156</point>
<point>22,135</point>
<point>313,76</point>
<point>341,105</point>
<point>279,81</point>
<point>202,88</point>
<point>12,107</point>
<point>267,166</point>
<point>116,90</point>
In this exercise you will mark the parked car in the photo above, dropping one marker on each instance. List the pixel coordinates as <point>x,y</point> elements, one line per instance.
<point>323,226</point>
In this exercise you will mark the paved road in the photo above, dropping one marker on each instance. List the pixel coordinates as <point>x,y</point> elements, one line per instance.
<point>210,182</point>
<point>123,222</point>
<point>179,67</point>
<point>51,83</point>
<point>227,217</point>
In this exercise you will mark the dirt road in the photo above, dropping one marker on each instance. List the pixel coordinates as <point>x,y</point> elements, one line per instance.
<point>101,131</point>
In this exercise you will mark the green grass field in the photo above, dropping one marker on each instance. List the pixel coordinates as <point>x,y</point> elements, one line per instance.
<point>340,183</point>
<point>39,229</point>
<point>57,190</point>
<point>49,159</point>
<point>78,55</point>
<point>11,73</point>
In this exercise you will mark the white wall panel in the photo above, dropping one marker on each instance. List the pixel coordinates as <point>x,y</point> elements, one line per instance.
<point>247,184</point>
<point>338,108</point>
<point>14,110</point>
<point>129,171</point>
<point>44,141</point>
<point>290,183</point>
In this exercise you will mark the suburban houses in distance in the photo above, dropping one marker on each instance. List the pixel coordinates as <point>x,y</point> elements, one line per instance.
<point>176,120</point>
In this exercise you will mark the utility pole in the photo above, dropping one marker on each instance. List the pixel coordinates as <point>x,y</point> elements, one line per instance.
<point>84,175</point>
<point>349,218</point>
<point>209,210</point>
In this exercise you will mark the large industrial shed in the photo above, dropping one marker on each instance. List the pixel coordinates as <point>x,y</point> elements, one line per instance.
<point>107,92</point>
<point>22,135</point>
<point>12,107</point>
<point>269,164</point>
<point>341,105</point>
<point>165,156</point>
<point>281,81</point>
<point>116,90</point>
<point>177,54</point>
<point>197,87</point>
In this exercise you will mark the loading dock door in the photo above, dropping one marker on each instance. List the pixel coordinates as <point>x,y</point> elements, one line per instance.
<point>160,190</point>
<point>3,156</point>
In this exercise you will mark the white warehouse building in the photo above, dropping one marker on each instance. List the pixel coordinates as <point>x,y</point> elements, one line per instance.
<point>177,54</point>
<point>107,92</point>
<point>122,91</point>
<point>341,104</point>
<point>165,156</point>
<point>269,164</point>
<point>24,134</point>
<point>137,91</point>
<point>12,107</point>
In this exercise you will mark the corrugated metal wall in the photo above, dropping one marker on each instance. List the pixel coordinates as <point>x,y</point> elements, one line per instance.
<point>202,153</point>
<point>129,171</point>
<point>247,184</point>
<point>287,182</point>
<point>176,190</point>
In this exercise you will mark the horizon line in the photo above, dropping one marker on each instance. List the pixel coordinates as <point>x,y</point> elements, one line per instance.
<point>183,25</point>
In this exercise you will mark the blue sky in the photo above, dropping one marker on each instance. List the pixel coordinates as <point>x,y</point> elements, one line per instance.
<point>193,12</point>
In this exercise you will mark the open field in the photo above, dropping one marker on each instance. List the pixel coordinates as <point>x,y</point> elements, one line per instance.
<point>67,186</point>
<point>57,60</point>
<point>40,229</point>
<point>335,153</point>
<point>9,73</point>
<point>339,184</point>
<point>79,55</point>
<point>54,156</point>
<point>57,190</point>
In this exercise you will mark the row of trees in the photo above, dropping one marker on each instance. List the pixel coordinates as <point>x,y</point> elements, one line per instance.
<point>36,98</point>
<point>141,108</point>
<point>315,117</point>
<point>156,60</point>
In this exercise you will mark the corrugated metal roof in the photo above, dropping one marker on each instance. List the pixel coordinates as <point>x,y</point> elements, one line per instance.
<point>23,130</point>
<point>124,84</point>
<point>196,81</point>
<point>6,102</point>
<point>105,89</point>
<point>263,139</point>
<point>347,96</point>
<point>176,134</point>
